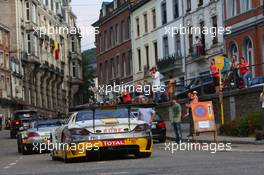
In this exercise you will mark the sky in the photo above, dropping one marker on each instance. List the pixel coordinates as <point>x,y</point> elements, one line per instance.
<point>87,12</point>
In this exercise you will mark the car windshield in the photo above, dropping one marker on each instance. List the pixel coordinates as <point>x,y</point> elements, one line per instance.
<point>48,123</point>
<point>24,115</point>
<point>102,114</point>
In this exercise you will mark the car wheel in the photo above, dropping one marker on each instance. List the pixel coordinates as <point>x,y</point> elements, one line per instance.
<point>162,140</point>
<point>142,155</point>
<point>65,158</point>
<point>23,149</point>
<point>53,157</point>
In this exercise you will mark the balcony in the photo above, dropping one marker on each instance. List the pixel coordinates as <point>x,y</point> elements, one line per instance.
<point>197,52</point>
<point>170,63</point>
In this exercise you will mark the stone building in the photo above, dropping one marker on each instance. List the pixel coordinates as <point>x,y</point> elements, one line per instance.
<point>5,74</point>
<point>46,63</point>
<point>246,19</point>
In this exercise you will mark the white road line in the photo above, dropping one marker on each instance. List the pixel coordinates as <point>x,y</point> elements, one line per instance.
<point>12,163</point>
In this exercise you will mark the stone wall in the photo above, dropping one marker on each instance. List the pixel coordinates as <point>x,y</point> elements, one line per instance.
<point>237,103</point>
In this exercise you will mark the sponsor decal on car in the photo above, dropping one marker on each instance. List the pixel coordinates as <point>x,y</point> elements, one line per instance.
<point>113,142</point>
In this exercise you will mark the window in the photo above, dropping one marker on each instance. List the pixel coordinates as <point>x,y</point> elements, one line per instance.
<point>130,63</point>
<point>165,46</point>
<point>245,5</point>
<point>111,37</point>
<point>112,69</point>
<point>231,8</point>
<point>214,22</point>
<point>27,11</point>
<point>106,72</point>
<point>177,45</point>
<point>117,66</point>
<point>35,47</point>
<point>200,3</point>
<point>74,69</point>
<point>51,5</point>
<point>163,12</point>
<point>139,59</point>
<point>175,9</point>
<point>122,32</point>
<point>47,3</point>
<point>124,65</point>
<point>117,34</point>
<point>233,51</point>
<point>128,28</point>
<point>138,27</point>
<point>101,72</point>
<point>146,22</point>
<point>154,18</point>
<point>28,44</point>
<point>99,42</point>
<point>189,6</point>
<point>1,37</point>
<point>248,52</point>
<point>147,55</point>
<point>156,51</point>
<point>1,59</point>
<point>190,38</point>
<point>73,47</point>
<point>105,40</point>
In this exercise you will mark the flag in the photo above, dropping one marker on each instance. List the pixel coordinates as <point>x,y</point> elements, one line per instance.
<point>56,50</point>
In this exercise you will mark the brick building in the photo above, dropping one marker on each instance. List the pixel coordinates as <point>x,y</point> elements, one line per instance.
<point>246,19</point>
<point>113,45</point>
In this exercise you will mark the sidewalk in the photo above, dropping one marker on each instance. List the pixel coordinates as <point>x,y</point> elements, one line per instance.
<point>208,137</point>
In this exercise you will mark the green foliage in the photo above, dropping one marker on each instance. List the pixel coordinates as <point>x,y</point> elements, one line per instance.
<point>88,60</point>
<point>243,127</point>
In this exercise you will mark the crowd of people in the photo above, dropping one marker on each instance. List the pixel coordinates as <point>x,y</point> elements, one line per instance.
<point>237,74</point>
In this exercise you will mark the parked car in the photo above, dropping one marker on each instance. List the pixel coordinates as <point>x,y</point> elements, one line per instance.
<point>203,85</point>
<point>158,128</point>
<point>37,135</point>
<point>257,82</point>
<point>20,121</point>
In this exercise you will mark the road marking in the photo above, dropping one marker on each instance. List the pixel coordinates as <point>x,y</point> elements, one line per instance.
<point>12,163</point>
<point>114,173</point>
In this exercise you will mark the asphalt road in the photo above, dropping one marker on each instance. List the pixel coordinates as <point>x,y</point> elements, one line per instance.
<point>243,159</point>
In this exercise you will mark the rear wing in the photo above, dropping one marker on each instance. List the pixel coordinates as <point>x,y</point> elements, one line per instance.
<point>110,107</point>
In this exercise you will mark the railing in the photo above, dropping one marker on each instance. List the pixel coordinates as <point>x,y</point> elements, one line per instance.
<point>173,60</point>
<point>197,51</point>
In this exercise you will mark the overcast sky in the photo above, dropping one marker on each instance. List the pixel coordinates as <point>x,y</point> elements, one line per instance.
<point>87,12</point>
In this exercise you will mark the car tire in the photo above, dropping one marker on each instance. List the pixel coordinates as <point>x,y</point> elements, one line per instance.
<point>65,158</point>
<point>142,155</point>
<point>53,157</point>
<point>162,140</point>
<point>23,150</point>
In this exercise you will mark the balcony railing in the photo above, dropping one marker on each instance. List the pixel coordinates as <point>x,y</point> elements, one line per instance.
<point>197,51</point>
<point>170,62</point>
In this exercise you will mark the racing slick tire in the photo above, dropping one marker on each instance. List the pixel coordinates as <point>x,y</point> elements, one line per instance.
<point>142,155</point>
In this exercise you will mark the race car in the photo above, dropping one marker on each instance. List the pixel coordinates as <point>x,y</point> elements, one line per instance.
<point>37,136</point>
<point>90,132</point>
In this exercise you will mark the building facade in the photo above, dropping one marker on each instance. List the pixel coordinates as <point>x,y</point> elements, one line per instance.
<point>5,74</point>
<point>245,17</point>
<point>198,15</point>
<point>113,45</point>
<point>45,62</point>
<point>144,39</point>
<point>171,42</point>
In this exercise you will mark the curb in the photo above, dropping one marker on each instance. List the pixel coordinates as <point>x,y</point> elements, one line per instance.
<point>223,141</point>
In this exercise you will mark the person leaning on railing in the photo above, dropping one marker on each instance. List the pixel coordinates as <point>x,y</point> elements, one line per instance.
<point>245,72</point>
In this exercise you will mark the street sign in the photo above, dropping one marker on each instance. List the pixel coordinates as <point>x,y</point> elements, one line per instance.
<point>203,118</point>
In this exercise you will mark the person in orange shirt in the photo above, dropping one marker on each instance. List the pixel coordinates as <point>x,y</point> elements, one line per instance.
<point>244,71</point>
<point>214,73</point>
<point>171,88</point>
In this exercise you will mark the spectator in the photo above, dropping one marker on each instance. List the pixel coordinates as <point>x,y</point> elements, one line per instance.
<point>171,88</point>
<point>176,119</point>
<point>226,68</point>
<point>262,107</point>
<point>156,83</point>
<point>189,113</point>
<point>126,98</point>
<point>1,120</point>
<point>199,46</point>
<point>234,72</point>
<point>146,114</point>
<point>245,72</point>
<point>214,73</point>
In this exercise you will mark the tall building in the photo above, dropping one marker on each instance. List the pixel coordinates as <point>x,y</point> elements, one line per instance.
<point>113,45</point>
<point>245,17</point>
<point>144,39</point>
<point>5,74</point>
<point>44,56</point>
<point>171,45</point>
<point>202,14</point>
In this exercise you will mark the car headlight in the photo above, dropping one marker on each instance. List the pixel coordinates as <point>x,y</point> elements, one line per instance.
<point>140,128</point>
<point>79,131</point>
